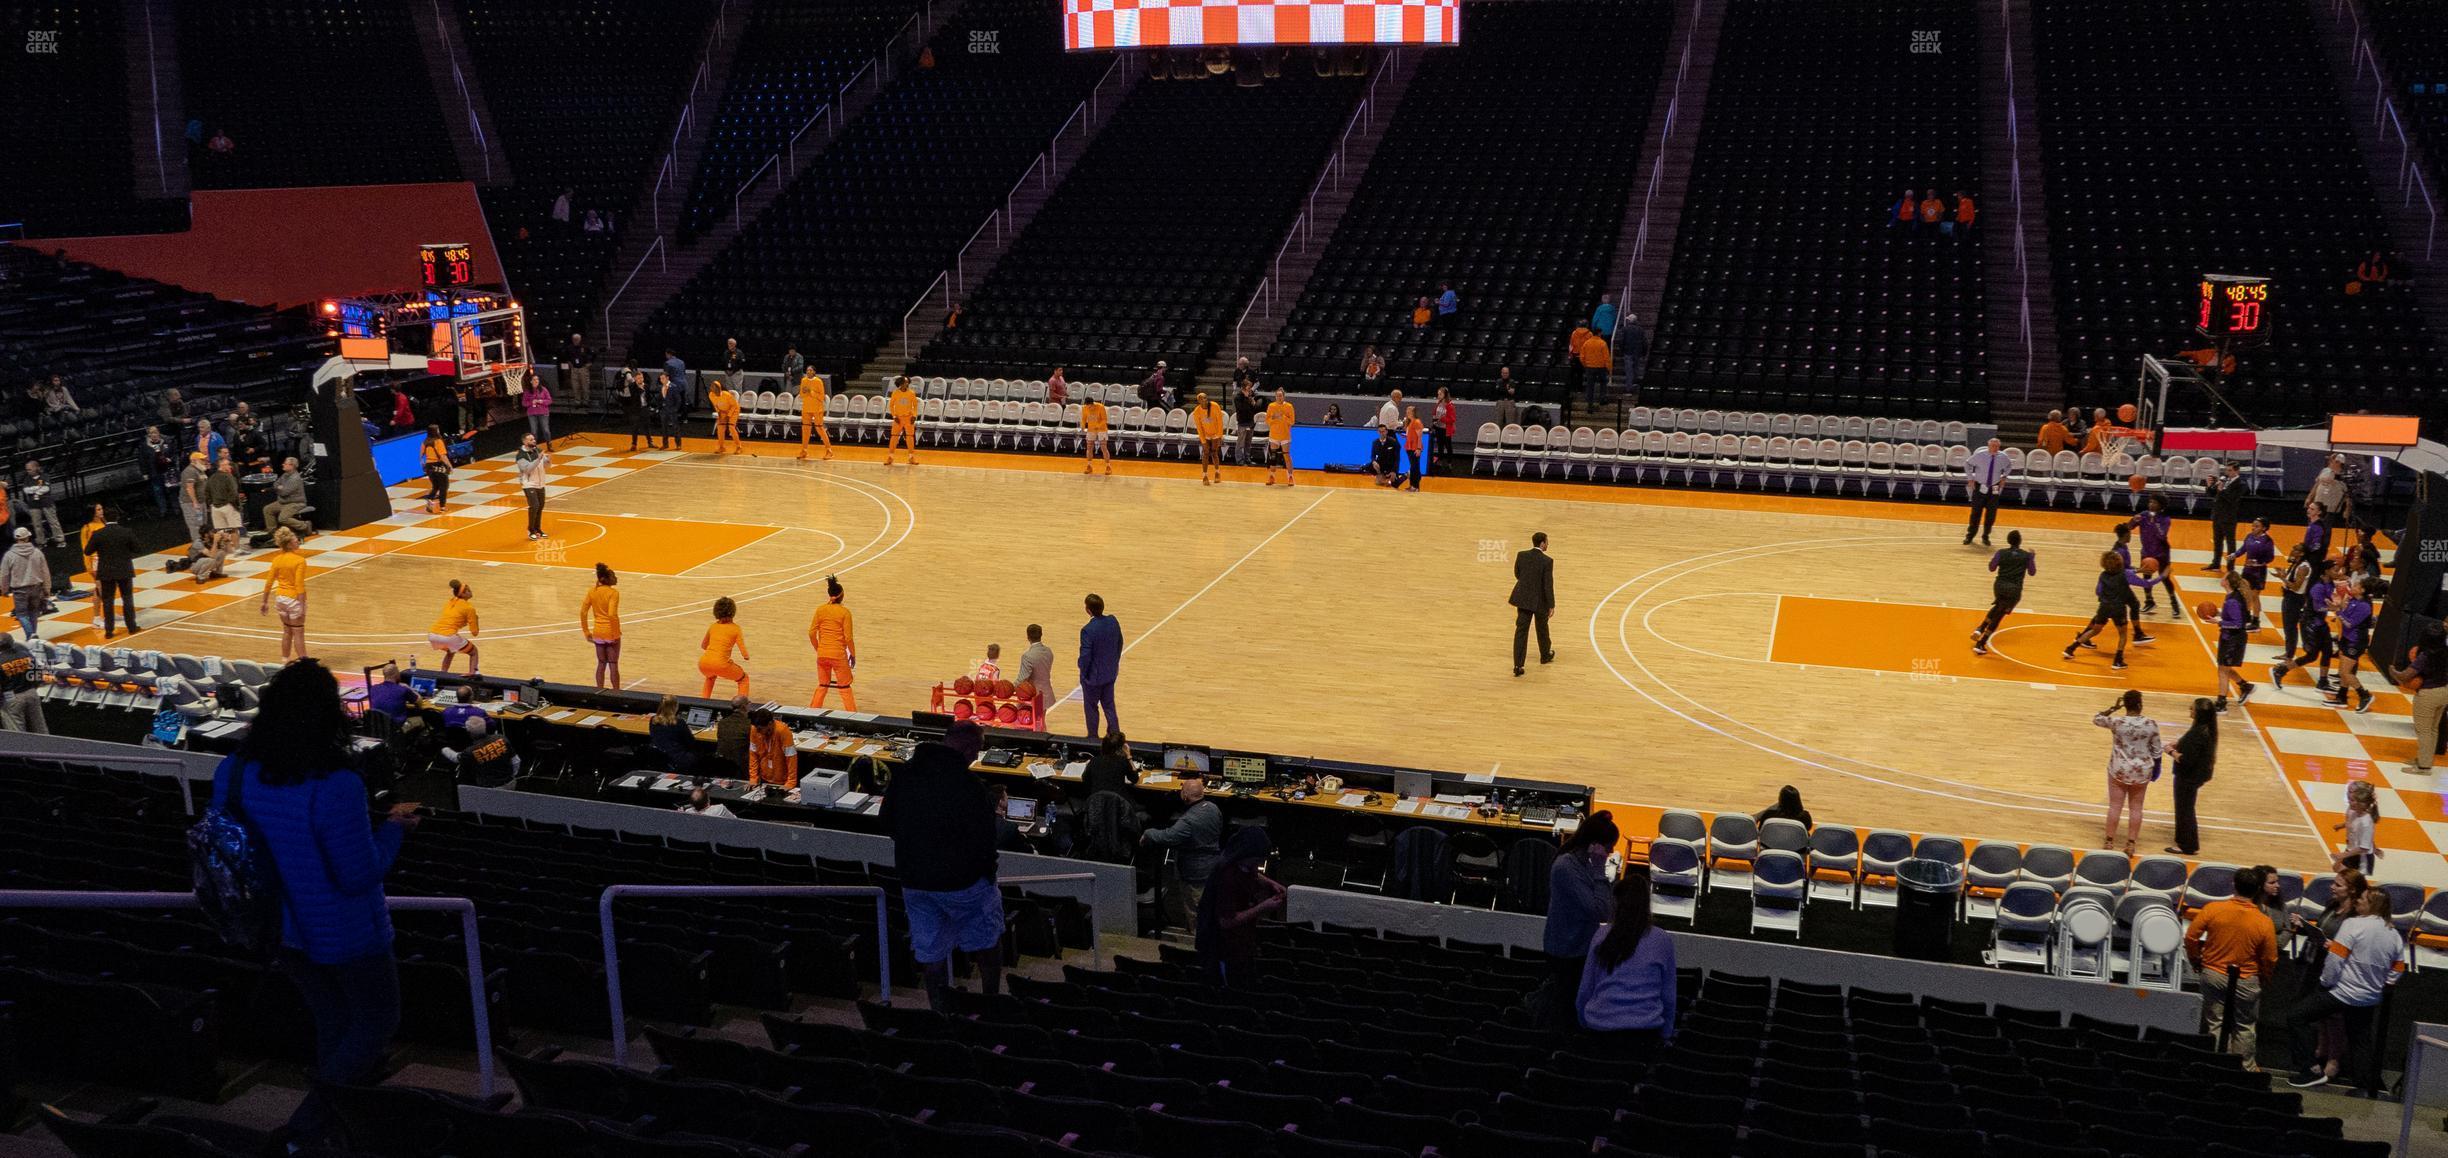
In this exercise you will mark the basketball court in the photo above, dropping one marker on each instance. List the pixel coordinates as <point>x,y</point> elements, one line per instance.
<point>1712,646</point>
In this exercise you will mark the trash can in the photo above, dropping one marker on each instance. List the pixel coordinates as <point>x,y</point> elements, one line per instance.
<point>1927,894</point>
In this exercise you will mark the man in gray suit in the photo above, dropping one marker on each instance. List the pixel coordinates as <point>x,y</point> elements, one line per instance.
<point>1533,600</point>
<point>1037,669</point>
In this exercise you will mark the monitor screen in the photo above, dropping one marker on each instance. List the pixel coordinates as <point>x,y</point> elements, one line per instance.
<point>1245,769</point>
<point>700,717</point>
<point>1092,24</point>
<point>1020,810</point>
<point>1410,785</point>
<point>421,685</point>
<point>1188,761</point>
<point>2374,430</point>
<point>936,722</point>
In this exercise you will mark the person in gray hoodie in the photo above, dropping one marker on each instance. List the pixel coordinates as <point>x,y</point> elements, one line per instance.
<point>26,576</point>
<point>1195,837</point>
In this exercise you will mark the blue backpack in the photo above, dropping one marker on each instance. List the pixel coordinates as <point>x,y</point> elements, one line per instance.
<point>235,881</point>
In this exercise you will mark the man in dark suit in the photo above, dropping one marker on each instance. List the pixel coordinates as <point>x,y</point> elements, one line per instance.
<point>1533,600</point>
<point>1100,664</point>
<point>113,548</point>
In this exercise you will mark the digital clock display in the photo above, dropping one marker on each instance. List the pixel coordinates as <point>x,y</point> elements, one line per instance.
<point>2230,306</point>
<point>448,264</point>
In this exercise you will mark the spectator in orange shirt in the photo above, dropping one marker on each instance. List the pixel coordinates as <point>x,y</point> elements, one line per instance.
<point>2097,431</point>
<point>1573,373</point>
<point>1965,213</point>
<point>2054,436</point>
<point>1905,208</point>
<point>1420,315</point>
<point>1596,360</point>
<point>1931,210</point>
<point>1094,439</point>
<point>2234,932</point>
<point>1208,419</point>
<point>1415,443</point>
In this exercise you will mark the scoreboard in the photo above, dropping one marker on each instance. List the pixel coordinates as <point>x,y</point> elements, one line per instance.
<point>448,264</point>
<point>1105,24</point>
<point>2231,306</point>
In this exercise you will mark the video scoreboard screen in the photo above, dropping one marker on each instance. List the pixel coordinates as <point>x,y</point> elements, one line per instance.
<point>448,264</point>
<point>1099,24</point>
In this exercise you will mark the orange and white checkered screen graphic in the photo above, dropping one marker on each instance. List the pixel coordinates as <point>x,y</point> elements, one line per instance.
<point>1092,24</point>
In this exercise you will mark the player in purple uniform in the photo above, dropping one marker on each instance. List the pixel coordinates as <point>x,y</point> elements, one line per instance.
<point>2256,553</point>
<point>2354,637</point>
<point>2153,524</point>
<point>2293,582</point>
<point>2238,617</point>
<point>2316,532</point>
<point>2124,553</point>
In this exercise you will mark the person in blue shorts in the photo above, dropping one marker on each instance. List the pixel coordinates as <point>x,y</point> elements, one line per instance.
<point>942,821</point>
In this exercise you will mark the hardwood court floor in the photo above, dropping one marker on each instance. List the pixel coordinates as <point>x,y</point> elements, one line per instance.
<point>1712,645</point>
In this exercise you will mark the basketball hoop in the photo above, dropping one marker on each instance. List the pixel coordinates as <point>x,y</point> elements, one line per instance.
<point>514,380</point>
<point>2115,440</point>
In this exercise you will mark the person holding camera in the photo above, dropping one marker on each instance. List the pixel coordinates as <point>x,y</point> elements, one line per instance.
<point>2133,762</point>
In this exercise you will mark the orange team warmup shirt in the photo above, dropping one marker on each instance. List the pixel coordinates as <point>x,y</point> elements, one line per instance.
<point>726,404</point>
<point>2054,436</point>
<point>599,616</point>
<point>1279,422</point>
<point>720,639</point>
<point>773,755</point>
<point>811,398</point>
<point>289,575</point>
<point>437,453</point>
<point>1092,417</point>
<point>1932,209</point>
<point>830,628</point>
<point>1419,315</point>
<point>458,617</point>
<point>904,407</point>
<point>1965,211</point>
<point>1411,436</point>
<point>1210,420</point>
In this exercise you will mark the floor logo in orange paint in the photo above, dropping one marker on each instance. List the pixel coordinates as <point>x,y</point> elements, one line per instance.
<point>623,542</point>
<point>1929,641</point>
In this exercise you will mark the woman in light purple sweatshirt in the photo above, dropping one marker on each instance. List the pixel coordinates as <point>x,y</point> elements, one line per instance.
<point>1627,997</point>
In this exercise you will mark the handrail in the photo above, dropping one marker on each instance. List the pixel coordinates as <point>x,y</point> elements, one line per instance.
<point>688,116</point>
<point>653,250</point>
<point>1263,291</point>
<point>844,92</point>
<point>612,985</point>
<point>791,147</point>
<point>2411,1083</point>
<point>2362,59</point>
<point>1096,944</point>
<point>2014,140</point>
<point>475,126</point>
<point>960,261</point>
<point>1037,166</point>
<point>1363,117</point>
<point>186,786</point>
<point>81,899</point>
<point>770,162</point>
<point>943,279</point>
<point>1657,166</point>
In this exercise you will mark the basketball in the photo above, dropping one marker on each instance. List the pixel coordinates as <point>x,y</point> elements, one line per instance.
<point>1027,693</point>
<point>1006,714</point>
<point>2136,483</point>
<point>961,710</point>
<point>2125,414</point>
<point>961,686</point>
<point>2206,611</point>
<point>1002,688</point>
<point>2150,566</point>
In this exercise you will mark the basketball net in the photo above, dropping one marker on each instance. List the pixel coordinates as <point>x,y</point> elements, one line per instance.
<point>514,380</point>
<point>2128,440</point>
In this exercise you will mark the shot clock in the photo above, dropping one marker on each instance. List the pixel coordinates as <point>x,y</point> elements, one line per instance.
<point>2231,307</point>
<point>448,264</point>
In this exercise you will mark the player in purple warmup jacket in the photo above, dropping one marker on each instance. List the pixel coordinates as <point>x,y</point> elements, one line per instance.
<point>2152,524</point>
<point>2237,619</point>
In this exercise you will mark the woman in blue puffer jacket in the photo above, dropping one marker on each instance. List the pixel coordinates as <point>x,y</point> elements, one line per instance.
<point>310,811</point>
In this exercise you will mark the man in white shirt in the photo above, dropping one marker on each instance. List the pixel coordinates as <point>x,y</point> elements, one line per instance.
<point>700,804</point>
<point>1984,477</point>
<point>1389,416</point>
<point>2329,487</point>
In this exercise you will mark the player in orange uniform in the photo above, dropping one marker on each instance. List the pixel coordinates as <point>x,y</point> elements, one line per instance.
<point>1208,419</point>
<point>836,649</point>
<point>1094,437</point>
<point>812,403</point>
<point>1280,421</point>
<point>726,405</point>
<point>719,642</point>
<point>599,622</point>
<point>285,581</point>
<point>773,752</point>
<point>455,632</point>
<point>903,406</point>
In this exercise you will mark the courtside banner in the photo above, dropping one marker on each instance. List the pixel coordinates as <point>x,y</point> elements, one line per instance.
<point>1095,24</point>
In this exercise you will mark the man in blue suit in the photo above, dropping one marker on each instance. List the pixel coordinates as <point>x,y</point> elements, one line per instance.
<point>1100,661</point>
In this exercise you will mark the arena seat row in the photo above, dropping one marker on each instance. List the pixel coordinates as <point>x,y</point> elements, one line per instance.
<point>1788,272</point>
<point>838,258</point>
<point>310,92</point>
<point>793,60</point>
<point>1143,255</point>
<point>582,93</point>
<point>1505,172</point>
<point>2145,194</point>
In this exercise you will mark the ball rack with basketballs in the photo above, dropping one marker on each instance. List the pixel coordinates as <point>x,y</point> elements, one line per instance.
<point>992,702</point>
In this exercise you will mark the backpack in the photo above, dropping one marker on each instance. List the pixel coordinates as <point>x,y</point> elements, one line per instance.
<point>235,882</point>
